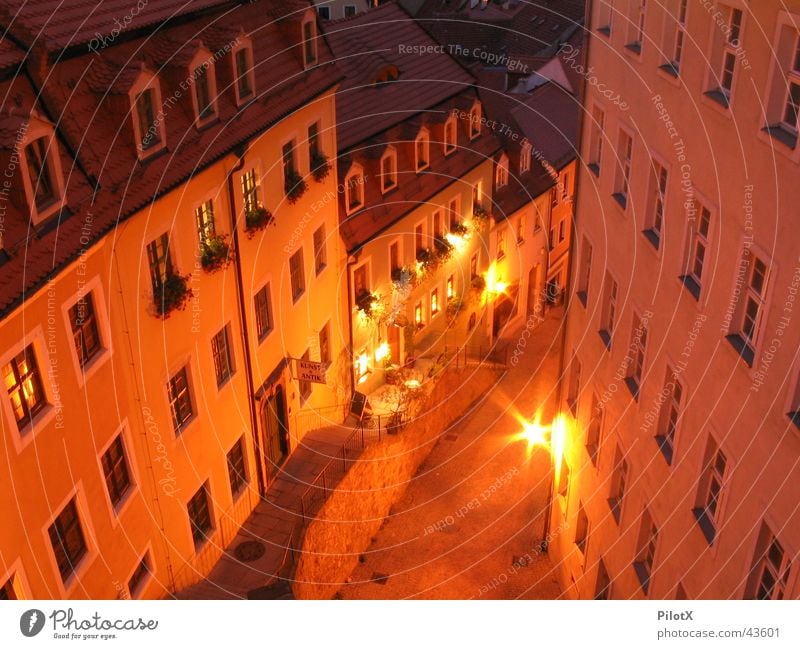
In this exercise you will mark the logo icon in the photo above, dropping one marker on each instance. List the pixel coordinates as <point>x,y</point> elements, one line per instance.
<point>31,622</point>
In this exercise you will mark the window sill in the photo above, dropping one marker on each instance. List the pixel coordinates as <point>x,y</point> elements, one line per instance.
<point>583,298</point>
<point>605,31</point>
<point>265,335</point>
<point>745,351</point>
<point>665,447</point>
<point>605,336</point>
<point>622,199</point>
<point>633,387</point>
<point>794,417</point>
<point>635,48</point>
<point>593,451</point>
<point>643,573</point>
<point>691,285</point>
<point>318,271</point>
<point>781,135</point>
<point>296,298</point>
<point>616,509</point>
<point>669,69</point>
<point>705,524</point>
<point>594,168</point>
<point>653,237</point>
<point>719,98</point>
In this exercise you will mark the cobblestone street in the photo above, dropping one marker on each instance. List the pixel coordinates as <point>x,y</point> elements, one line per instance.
<point>470,523</point>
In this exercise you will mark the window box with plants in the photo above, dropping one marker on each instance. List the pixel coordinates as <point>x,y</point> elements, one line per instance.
<point>404,278</point>
<point>478,285</point>
<point>480,214</point>
<point>443,249</point>
<point>427,260</point>
<point>459,229</point>
<point>294,186</point>
<point>368,304</point>
<point>320,167</point>
<point>215,252</point>
<point>172,294</point>
<point>257,219</point>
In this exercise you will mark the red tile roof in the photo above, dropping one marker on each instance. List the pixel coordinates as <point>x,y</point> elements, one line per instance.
<point>96,126</point>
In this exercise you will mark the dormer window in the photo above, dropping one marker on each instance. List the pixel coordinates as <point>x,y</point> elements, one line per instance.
<point>205,87</point>
<point>450,135</point>
<point>354,189</point>
<point>525,157</point>
<point>474,126</point>
<point>244,73</point>
<point>41,170</point>
<point>422,146</point>
<point>501,174</point>
<point>309,42</point>
<point>389,170</point>
<point>148,120</point>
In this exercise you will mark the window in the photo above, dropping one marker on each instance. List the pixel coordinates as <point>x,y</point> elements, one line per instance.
<point>574,390</point>
<point>249,191</point>
<point>565,187</point>
<point>783,99</point>
<point>562,226</point>
<point>477,195</point>
<point>85,334</point>
<point>454,212</point>
<point>646,550</point>
<point>451,283</point>
<point>7,590</point>
<point>585,271</point>
<point>40,173</point>
<point>769,575</point>
<point>501,171</point>
<point>291,179</point>
<point>473,266</point>
<point>712,480</point>
<point>325,343</point>
<point>699,226</point>
<point>581,529</point>
<point>437,224</point>
<point>609,309</point>
<point>501,243</point>
<point>389,170</point>
<point>751,305</point>
<point>203,92</point>
<point>525,157</point>
<point>605,15</point>
<point>596,140</point>
<point>116,472</point>
<point>305,386</point>
<point>315,153</point>
<point>450,135</point>
<point>594,430</point>
<point>149,131</point>
<point>24,384</point>
<point>669,415</point>
<point>419,238</point>
<point>654,223</point>
<point>360,280</point>
<point>349,11</point>
<point>324,13</point>
<point>222,354</point>
<point>521,229</point>
<point>676,38</point>
<point>139,576</point>
<point>624,155</point>
<point>204,218</point>
<point>636,38</point>
<point>236,467</point>
<point>394,258</point>
<point>419,320</point>
<point>602,588</point>
<point>474,124</point>
<point>180,400</point>
<point>636,352</point>
<point>263,307</point>
<point>243,62</point>
<point>199,511</point>
<point>355,190</point>
<point>434,302</point>
<point>297,274</point>
<point>725,48</point>
<point>422,151</point>
<point>320,250</point>
<point>619,480</point>
<point>67,539</point>
<point>160,262</point>
<point>309,43</point>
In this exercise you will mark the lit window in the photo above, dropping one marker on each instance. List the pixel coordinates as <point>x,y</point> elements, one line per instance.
<point>670,414</point>
<point>450,287</point>
<point>180,400</point>
<point>422,151</point>
<point>249,191</point>
<point>116,472</point>
<point>199,510</point>
<point>204,219</point>
<point>222,354</point>
<point>297,274</point>
<point>712,480</point>
<point>434,302</point>
<point>418,316</point>
<point>24,385</point>
<point>769,575</point>
<point>160,262</point>
<point>237,474</point>
<point>474,124</point>
<point>525,157</point>
<point>501,172</point>
<point>67,539</point>
<point>646,550</point>
<point>83,322</point>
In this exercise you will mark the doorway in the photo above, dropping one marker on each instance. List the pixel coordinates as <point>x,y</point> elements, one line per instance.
<point>276,431</point>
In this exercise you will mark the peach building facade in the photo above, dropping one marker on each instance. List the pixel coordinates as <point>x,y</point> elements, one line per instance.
<point>681,471</point>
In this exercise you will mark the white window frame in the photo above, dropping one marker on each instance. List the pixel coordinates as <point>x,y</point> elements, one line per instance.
<point>450,145</point>
<point>355,172</point>
<point>501,171</point>
<point>93,287</point>
<point>389,154</point>
<point>204,57</point>
<point>423,137</point>
<point>525,157</point>
<point>244,44</point>
<point>474,121</point>
<point>116,512</point>
<point>39,128</point>
<point>148,81</point>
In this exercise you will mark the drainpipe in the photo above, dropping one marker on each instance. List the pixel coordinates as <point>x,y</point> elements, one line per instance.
<point>248,366</point>
<point>351,261</point>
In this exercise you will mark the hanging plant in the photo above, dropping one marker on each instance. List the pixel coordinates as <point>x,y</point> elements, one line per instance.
<point>294,186</point>
<point>478,284</point>
<point>172,294</point>
<point>427,260</point>
<point>257,219</point>
<point>443,249</point>
<point>404,278</point>
<point>459,229</point>
<point>215,253</point>
<point>320,166</point>
<point>480,214</point>
<point>369,304</point>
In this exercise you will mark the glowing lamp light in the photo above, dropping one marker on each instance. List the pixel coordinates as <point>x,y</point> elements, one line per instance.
<point>558,440</point>
<point>381,352</point>
<point>533,433</point>
<point>450,290</point>
<point>412,384</point>
<point>458,241</point>
<point>494,285</point>
<point>363,367</point>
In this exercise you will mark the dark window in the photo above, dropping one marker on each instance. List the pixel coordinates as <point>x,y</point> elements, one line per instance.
<point>581,529</point>
<point>297,275</point>
<point>360,284</point>
<point>320,251</point>
<point>602,589</point>
<point>205,107</point>
<point>289,166</point>
<point>324,13</point>
<point>325,344</point>
<point>66,537</point>
<point>24,385</point>
<point>200,515</point>
<point>7,590</point>
<point>145,111</point>
<point>243,73</point>
<point>349,10</point>
<point>309,43</point>
<point>263,306</point>
<point>314,151</point>
<point>236,468</point>
<point>115,470</point>
<point>223,357</point>
<point>83,322</point>
<point>139,575</point>
<point>39,173</point>
<point>180,401</point>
